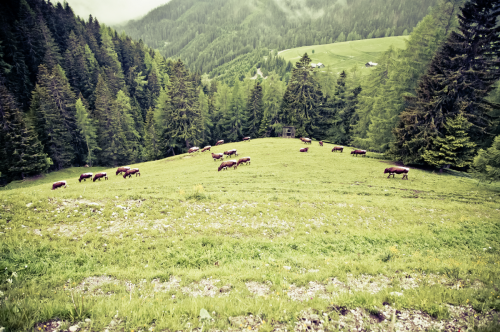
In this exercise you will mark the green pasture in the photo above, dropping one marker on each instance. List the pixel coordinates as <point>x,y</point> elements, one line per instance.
<point>150,249</point>
<point>346,55</point>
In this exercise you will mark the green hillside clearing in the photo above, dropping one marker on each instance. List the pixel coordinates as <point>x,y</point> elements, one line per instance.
<point>296,241</point>
<point>344,56</point>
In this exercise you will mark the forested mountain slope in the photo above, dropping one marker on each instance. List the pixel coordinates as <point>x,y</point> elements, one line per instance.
<point>208,33</point>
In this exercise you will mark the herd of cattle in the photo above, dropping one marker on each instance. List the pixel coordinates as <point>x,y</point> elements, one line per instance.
<point>128,172</point>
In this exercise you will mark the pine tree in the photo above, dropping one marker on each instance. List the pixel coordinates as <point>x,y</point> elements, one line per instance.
<point>111,137</point>
<point>185,125</point>
<point>21,153</point>
<point>301,100</point>
<point>206,118</point>
<point>234,119</point>
<point>152,146</point>
<point>455,148</point>
<point>265,125</point>
<point>487,163</point>
<point>87,130</point>
<point>254,111</point>
<point>273,90</point>
<point>460,75</point>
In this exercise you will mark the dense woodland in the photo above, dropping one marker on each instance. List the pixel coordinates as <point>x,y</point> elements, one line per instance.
<point>206,34</point>
<point>75,92</point>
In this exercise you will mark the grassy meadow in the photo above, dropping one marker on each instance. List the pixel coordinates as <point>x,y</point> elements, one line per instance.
<point>292,242</point>
<point>346,55</point>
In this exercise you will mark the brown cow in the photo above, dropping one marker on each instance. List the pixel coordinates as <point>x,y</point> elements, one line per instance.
<point>338,148</point>
<point>230,152</point>
<point>304,149</point>
<point>85,176</point>
<point>130,172</point>
<point>321,143</point>
<point>193,149</point>
<point>229,163</point>
<point>217,156</point>
<point>219,142</point>
<point>98,176</point>
<point>122,170</point>
<point>245,160</point>
<point>397,170</point>
<point>206,148</point>
<point>361,152</point>
<point>306,140</point>
<point>246,138</point>
<point>58,184</point>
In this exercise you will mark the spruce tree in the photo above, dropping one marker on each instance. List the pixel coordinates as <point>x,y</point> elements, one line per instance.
<point>487,163</point>
<point>185,125</point>
<point>21,153</point>
<point>455,148</point>
<point>255,109</point>
<point>152,146</point>
<point>234,119</point>
<point>301,100</point>
<point>460,75</point>
<point>87,130</point>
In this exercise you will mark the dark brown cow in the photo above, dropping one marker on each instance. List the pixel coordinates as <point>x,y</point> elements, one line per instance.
<point>230,153</point>
<point>206,148</point>
<point>321,143</point>
<point>98,176</point>
<point>217,156</point>
<point>304,149</point>
<point>246,138</point>
<point>361,152</point>
<point>220,142</point>
<point>59,184</point>
<point>245,160</point>
<point>130,172</point>
<point>122,170</point>
<point>85,176</point>
<point>397,170</point>
<point>229,163</point>
<point>338,148</point>
<point>193,149</point>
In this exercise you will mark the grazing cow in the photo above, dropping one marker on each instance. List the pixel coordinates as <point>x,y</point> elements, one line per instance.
<point>59,184</point>
<point>220,142</point>
<point>122,170</point>
<point>306,140</point>
<point>217,156</point>
<point>98,176</point>
<point>85,176</point>
<point>246,138</point>
<point>320,143</point>
<point>130,172</point>
<point>361,152</point>
<point>338,148</point>
<point>304,149</point>
<point>397,170</point>
<point>206,148</point>
<point>193,149</point>
<point>229,163</point>
<point>230,152</point>
<point>245,160</point>
<point>86,165</point>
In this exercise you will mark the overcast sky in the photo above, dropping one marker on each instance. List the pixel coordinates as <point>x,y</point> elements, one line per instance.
<point>112,11</point>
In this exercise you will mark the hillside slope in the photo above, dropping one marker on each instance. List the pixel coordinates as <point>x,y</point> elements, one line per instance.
<point>344,56</point>
<point>208,33</point>
<point>259,247</point>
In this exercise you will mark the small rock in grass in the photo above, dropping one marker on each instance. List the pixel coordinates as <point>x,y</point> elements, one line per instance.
<point>74,328</point>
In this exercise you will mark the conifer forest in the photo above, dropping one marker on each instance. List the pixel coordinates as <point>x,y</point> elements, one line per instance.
<point>76,92</point>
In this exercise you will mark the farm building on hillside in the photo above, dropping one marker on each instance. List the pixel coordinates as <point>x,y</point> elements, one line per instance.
<point>317,65</point>
<point>370,64</point>
<point>288,132</point>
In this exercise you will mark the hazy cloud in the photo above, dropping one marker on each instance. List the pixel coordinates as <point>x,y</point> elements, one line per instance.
<point>112,11</point>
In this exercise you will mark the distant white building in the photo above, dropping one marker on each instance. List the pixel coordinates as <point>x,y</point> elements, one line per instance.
<point>370,64</point>
<point>317,65</point>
